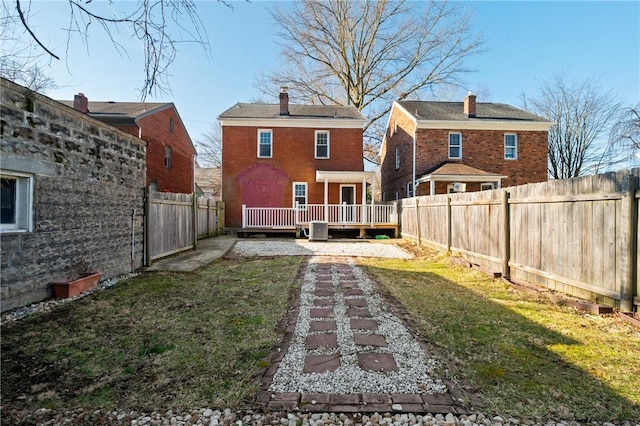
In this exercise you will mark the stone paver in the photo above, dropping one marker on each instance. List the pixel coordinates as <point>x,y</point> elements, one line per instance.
<point>369,340</point>
<point>363,324</point>
<point>321,313</point>
<point>377,362</point>
<point>358,312</point>
<point>321,363</point>
<point>325,340</point>
<point>322,326</point>
<point>356,303</point>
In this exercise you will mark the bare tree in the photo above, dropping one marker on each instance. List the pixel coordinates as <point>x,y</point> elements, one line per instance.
<point>159,24</point>
<point>18,61</point>
<point>368,53</point>
<point>582,114</point>
<point>624,140</point>
<point>210,147</point>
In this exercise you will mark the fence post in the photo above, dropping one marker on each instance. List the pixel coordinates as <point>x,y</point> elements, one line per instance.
<point>147,227</point>
<point>448,225</point>
<point>220,217</point>
<point>208,217</point>
<point>194,219</point>
<point>629,261</point>
<point>418,221</point>
<point>506,230</point>
<point>244,216</point>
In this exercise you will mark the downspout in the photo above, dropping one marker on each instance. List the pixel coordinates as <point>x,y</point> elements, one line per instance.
<point>413,182</point>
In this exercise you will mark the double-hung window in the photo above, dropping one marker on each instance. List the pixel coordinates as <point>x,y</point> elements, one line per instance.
<point>409,189</point>
<point>16,198</point>
<point>322,144</point>
<point>510,146</point>
<point>300,194</point>
<point>265,143</point>
<point>167,156</point>
<point>455,145</point>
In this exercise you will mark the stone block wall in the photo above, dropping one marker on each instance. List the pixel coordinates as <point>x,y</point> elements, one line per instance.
<point>88,181</point>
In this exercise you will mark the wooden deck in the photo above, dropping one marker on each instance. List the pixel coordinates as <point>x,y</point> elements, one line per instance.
<point>338,217</point>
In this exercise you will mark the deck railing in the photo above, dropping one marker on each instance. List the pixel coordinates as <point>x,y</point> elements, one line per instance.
<point>333,214</point>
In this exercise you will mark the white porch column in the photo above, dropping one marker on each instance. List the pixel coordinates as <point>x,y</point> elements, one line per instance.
<point>432,187</point>
<point>373,194</point>
<point>363,217</point>
<point>326,199</point>
<point>499,184</point>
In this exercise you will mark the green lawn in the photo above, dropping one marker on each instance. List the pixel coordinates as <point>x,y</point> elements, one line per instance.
<point>524,354</point>
<point>159,340</point>
<point>186,340</point>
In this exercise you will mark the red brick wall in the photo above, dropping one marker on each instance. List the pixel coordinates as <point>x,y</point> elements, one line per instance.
<point>293,151</point>
<point>482,149</point>
<point>399,134</point>
<point>155,131</point>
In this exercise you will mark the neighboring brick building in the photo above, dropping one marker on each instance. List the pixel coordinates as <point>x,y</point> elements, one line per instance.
<point>274,155</point>
<point>461,146</point>
<point>170,152</point>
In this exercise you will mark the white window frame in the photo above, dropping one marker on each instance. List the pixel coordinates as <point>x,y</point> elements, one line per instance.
<point>168,154</point>
<point>397,157</point>
<point>322,132</point>
<point>23,202</point>
<point>514,147</point>
<point>449,146</point>
<point>409,189</point>
<point>306,194</point>
<point>270,132</point>
<point>483,186</point>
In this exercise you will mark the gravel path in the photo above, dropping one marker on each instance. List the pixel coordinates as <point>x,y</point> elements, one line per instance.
<point>353,325</point>
<point>310,248</point>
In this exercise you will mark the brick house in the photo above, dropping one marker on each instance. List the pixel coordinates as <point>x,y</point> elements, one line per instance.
<point>170,151</point>
<point>461,146</point>
<point>277,155</point>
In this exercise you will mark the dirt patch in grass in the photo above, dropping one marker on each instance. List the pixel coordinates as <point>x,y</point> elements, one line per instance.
<point>525,355</point>
<point>159,341</point>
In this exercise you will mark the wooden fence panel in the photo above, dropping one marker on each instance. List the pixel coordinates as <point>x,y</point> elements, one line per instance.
<point>579,236</point>
<point>171,218</point>
<point>170,228</point>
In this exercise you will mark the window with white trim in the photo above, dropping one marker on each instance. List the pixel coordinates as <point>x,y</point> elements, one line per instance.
<point>486,186</point>
<point>510,146</point>
<point>409,189</point>
<point>167,156</point>
<point>16,200</point>
<point>322,144</point>
<point>455,145</point>
<point>397,157</point>
<point>265,143</point>
<point>300,194</point>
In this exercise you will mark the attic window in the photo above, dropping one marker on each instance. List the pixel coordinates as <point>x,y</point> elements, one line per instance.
<point>167,156</point>
<point>171,125</point>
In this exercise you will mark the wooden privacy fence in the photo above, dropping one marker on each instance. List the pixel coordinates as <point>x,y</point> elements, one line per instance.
<point>175,222</point>
<point>578,236</point>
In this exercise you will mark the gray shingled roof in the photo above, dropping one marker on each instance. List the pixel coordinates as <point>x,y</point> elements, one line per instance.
<point>247,110</point>
<point>454,111</point>
<point>126,109</point>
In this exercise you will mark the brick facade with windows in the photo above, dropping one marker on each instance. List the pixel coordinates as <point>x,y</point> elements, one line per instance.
<point>482,147</point>
<point>160,125</point>
<point>258,181</point>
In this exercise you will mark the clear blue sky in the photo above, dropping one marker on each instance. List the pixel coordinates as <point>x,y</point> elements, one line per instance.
<point>525,42</point>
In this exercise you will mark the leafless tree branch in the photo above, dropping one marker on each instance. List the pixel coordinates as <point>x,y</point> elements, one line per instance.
<point>582,113</point>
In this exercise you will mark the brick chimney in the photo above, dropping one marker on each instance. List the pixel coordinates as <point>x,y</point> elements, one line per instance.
<point>470,105</point>
<point>284,101</point>
<point>81,103</point>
